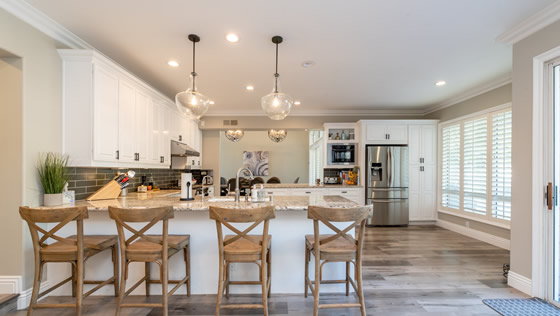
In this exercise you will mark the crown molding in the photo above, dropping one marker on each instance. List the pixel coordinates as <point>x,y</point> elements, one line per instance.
<point>500,82</point>
<point>531,25</point>
<point>37,19</point>
<point>398,112</point>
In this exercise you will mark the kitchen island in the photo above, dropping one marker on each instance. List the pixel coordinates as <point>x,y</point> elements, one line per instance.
<point>191,217</point>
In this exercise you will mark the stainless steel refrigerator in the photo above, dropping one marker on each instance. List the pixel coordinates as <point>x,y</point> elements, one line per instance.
<point>387,184</point>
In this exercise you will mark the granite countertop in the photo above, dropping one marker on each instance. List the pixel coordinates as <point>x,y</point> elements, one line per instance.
<point>307,186</point>
<point>171,197</point>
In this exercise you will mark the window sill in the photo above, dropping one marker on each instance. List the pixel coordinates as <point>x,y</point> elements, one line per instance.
<point>475,218</point>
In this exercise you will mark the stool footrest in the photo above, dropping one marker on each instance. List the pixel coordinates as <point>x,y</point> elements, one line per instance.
<point>327,306</point>
<point>241,306</point>
<point>142,305</point>
<point>244,282</point>
<point>54,306</point>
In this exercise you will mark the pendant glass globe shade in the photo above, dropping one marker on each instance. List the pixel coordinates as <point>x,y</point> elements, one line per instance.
<point>277,105</point>
<point>191,102</point>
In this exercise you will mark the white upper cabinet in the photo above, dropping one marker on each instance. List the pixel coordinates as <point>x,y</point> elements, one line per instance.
<point>385,132</point>
<point>111,118</point>
<point>106,115</point>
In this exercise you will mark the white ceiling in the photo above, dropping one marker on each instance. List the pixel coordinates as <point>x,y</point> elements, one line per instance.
<point>369,54</point>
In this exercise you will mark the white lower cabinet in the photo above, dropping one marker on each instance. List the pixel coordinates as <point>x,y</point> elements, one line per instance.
<point>353,194</point>
<point>281,192</point>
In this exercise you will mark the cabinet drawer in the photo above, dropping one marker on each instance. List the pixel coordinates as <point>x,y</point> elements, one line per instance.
<point>283,192</point>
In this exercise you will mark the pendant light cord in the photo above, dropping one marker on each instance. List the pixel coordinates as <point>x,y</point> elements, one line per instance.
<point>193,66</point>
<point>276,75</point>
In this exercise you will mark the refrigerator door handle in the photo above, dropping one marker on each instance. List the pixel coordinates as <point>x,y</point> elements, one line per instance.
<point>389,167</point>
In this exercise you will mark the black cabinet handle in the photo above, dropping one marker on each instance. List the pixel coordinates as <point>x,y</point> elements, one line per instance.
<point>117,155</point>
<point>180,137</point>
<point>162,159</point>
<point>344,192</point>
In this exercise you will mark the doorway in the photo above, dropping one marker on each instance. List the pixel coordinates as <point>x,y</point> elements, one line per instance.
<point>552,218</point>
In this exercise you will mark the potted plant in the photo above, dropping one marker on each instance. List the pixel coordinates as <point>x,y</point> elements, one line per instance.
<point>54,177</point>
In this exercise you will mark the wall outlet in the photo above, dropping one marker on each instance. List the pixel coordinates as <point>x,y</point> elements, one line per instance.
<point>468,224</point>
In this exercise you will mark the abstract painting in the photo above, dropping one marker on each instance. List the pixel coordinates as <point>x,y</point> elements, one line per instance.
<point>257,162</point>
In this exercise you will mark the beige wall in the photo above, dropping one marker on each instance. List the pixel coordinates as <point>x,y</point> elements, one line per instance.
<point>498,96</point>
<point>11,164</point>
<point>287,160</point>
<point>521,232</point>
<point>211,155</point>
<point>42,114</point>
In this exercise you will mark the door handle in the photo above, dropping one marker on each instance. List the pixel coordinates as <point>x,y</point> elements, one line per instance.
<point>549,195</point>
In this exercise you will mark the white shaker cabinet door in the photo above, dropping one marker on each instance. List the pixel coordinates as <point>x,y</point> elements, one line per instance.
<point>127,124</point>
<point>414,144</point>
<point>397,133</point>
<point>376,132</point>
<point>165,136</point>
<point>428,196</point>
<point>155,133</point>
<point>106,115</point>
<point>143,127</point>
<point>429,144</point>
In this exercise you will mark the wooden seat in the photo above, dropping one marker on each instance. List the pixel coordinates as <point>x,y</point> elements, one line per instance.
<point>76,250</point>
<point>243,247</point>
<point>338,247</point>
<point>142,247</point>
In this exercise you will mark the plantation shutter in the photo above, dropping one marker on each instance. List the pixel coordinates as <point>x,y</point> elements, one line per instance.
<point>474,165</point>
<point>501,165</point>
<point>451,166</point>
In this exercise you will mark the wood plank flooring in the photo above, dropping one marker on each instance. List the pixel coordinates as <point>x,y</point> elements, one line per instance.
<point>416,270</point>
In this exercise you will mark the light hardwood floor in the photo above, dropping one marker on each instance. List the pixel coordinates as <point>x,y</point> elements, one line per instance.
<point>416,270</point>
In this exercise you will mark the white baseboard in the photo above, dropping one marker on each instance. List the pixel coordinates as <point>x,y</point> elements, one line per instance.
<point>13,285</point>
<point>416,222</point>
<point>520,282</point>
<point>476,234</point>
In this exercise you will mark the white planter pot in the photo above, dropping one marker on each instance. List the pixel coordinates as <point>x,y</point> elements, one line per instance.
<point>52,199</point>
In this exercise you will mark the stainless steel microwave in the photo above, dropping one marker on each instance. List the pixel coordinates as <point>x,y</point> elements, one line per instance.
<point>341,154</point>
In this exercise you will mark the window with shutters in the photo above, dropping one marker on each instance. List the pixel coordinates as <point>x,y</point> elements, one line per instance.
<point>451,166</point>
<point>501,165</point>
<point>475,156</point>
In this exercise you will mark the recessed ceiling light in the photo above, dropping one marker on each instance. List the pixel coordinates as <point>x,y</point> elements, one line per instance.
<point>308,64</point>
<point>230,37</point>
<point>212,102</point>
<point>173,63</point>
<point>440,83</point>
<point>250,88</point>
<point>297,103</point>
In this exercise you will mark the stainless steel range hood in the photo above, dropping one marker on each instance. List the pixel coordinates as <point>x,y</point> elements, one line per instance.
<point>179,149</point>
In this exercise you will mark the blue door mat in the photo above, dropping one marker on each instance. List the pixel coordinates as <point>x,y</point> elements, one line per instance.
<point>522,306</point>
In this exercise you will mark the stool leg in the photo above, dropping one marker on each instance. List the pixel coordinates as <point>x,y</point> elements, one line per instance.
<point>317,284</point>
<point>73,265</point>
<point>80,284</point>
<point>220,285</point>
<point>164,289</point>
<point>360,289</point>
<point>263,283</point>
<point>124,273</point>
<point>115,257</point>
<point>306,271</point>
<point>226,278</point>
<point>148,275</point>
<point>187,253</point>
<point>269,270</point>
<point>36,285</point>
<point>347,278</point>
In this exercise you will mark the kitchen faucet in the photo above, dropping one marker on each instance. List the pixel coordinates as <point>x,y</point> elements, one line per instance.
<point>237,181</point>
<point>203,181</point>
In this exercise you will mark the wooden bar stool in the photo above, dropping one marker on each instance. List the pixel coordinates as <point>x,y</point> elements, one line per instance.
<point>76,250</point>
<point>243,247</point>
<point>149,248</point>
<point>338,247</point>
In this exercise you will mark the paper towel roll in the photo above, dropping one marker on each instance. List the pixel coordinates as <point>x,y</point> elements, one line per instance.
<point>186,187</point>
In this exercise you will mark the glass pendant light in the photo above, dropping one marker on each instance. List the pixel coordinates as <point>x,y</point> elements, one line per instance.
<point>234,135</point>
<point>277,105</point>
<point>277,135</point>
<point>191,102</point>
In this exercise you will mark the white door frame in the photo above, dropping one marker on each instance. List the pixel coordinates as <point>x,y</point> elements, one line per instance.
<point>541,156</point>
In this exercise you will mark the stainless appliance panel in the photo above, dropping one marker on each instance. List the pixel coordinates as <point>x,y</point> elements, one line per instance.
<point>389,212</point>
<point>377,166</point>
<point>388,193</point>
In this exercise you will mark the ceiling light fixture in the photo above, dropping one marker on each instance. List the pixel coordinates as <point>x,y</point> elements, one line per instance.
<point>297,103</point>
<point>234,135</point>
<point>277,135</point>
<point>191,102</point>
<point>276,105</point>
<point>440,83</point>
<point>231,37</point>
<point>173,63</point>
<point>308,64</point>
<point>212,102</point>
<point>250,88</point>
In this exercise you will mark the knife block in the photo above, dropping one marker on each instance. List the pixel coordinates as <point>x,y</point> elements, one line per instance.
<point>111,190</point>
